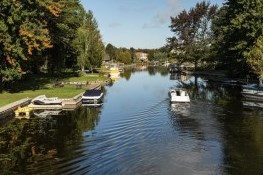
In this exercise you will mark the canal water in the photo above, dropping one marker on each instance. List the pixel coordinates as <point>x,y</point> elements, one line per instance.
<point>138,131</point>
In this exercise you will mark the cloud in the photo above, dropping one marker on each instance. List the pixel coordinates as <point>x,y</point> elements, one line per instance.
<point>172,8</point>
<point>114,24</point>
<point>150,25</point>
<point>163,17</point>
<point>128,8</point>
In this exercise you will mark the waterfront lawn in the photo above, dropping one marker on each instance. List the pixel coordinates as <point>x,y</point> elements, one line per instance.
<point>44,85</point>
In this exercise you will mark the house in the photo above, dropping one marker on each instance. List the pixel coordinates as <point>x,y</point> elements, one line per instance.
<point>142,56</point>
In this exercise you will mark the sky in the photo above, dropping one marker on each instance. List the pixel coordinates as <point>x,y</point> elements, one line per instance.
<point>137,23</point>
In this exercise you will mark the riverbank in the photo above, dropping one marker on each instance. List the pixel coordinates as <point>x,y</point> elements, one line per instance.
<point>68,88</point>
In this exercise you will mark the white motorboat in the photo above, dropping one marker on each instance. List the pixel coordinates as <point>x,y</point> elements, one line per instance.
<point>92,97</point>
<point>179,95</point>
<point>43,100</point>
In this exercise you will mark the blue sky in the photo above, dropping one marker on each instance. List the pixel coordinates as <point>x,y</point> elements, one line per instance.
<point>137,23</point>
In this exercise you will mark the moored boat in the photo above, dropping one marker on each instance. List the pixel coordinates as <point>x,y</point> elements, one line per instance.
<point>253,91</point>
<point>43,100</point>
<point>179,95</point>
<point>114,71</point>
<point>23,112</point>
<point>92,97</point>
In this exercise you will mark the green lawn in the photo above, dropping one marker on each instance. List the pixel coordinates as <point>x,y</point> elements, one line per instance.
<point>43,85</point>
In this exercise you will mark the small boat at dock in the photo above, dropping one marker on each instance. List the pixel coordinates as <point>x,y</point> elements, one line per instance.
<point>43,100</point>
<point>23,112</point>
<point>253,91</point>
<point>114,71</point>
<point>92,97</point>
<point>179,95</point>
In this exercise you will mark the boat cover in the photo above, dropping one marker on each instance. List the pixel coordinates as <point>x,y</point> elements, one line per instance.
<point>92,93</point>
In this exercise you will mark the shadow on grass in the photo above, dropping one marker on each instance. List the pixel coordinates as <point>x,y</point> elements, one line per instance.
<point>37,81</point>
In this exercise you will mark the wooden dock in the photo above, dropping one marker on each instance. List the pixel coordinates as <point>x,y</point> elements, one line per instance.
<point>6,110</point>
<point>67,104</point>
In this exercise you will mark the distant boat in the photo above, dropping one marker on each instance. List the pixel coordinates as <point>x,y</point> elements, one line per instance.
<point>43,100</point>
<point>114,71</point>
<point>179,95</point>
<point>253,91</point>
<point>166,64</point>
<point>121,67</point>
<point>92,97</point>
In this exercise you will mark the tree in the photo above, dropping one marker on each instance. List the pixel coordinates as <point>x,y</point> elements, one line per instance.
<point>241,26</point>
<point>255,57</point>
<point>89,43</point>
<point>63,31</point>
<point>150,56</point>
<point>133,55</point>
<point>111,51</point>
<point>192,32</point>
<point>23,32</point>
<point>124,56</point>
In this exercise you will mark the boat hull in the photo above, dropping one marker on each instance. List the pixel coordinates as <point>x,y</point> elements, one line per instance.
<point>253,94</point>
<point>179,95</point>
<point>92,98</point>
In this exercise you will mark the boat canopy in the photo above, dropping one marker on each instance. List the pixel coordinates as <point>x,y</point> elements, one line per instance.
<point>92,93</point>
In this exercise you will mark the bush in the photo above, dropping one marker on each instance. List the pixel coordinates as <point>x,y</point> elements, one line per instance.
<point>81,74</point>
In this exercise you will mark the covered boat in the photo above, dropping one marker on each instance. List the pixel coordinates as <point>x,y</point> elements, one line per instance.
<point>43,100</point>
<point>179,95</point>
<point>92,97</point>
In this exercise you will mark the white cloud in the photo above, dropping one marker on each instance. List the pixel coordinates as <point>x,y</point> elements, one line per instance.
<point>114,24</point>
<point>172,8</point>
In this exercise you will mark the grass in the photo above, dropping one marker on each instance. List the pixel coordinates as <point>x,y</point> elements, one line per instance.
<point>35,85</point>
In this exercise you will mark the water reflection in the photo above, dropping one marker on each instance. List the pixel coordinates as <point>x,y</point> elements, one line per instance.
<point>138,131</point>
<point>33,145</point>
<point>182,109</point>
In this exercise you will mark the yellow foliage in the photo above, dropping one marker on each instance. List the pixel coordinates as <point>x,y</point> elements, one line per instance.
<point>34,40</point>
<point>55,8</point>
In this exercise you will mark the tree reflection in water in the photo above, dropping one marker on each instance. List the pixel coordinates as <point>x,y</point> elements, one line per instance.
<point>27,143</point>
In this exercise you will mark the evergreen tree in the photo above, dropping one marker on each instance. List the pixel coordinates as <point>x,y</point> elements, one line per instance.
<point>89,43</point>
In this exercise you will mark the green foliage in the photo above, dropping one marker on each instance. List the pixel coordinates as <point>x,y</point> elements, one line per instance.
<point>124,56</point>
<point>50,34</point>
<point>89,42</point>
<point>111,51</point>
<point>63,31</point>
<point>238,26</point>
<point>24,31</point>
<point>255,57</point>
